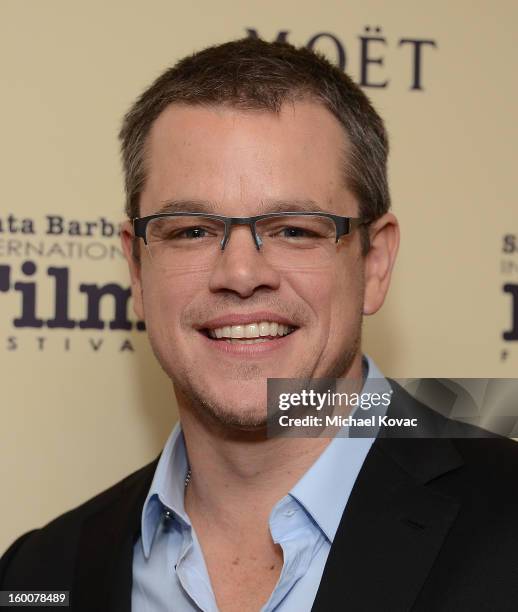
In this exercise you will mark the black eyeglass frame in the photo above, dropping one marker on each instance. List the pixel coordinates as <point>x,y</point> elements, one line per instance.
<point>343,225</point>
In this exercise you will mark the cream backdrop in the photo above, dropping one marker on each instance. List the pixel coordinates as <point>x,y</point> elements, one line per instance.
<point>79,413</point>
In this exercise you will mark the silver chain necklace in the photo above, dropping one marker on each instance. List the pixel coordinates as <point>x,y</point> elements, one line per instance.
<point>168,515</point>
<point>187,477</point>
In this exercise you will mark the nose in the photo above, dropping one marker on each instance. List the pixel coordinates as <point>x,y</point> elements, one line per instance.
<point>241,268</point>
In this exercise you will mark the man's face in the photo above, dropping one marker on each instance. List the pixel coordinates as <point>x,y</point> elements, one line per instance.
<point>246,163</point>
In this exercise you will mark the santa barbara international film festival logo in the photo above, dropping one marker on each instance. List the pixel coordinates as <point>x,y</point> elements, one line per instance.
<point>53,276</point>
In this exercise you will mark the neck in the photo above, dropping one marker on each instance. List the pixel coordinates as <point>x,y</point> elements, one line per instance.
<point>233,479</point>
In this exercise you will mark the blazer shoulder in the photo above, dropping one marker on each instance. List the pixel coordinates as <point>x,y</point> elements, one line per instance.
<point>432,422</point>
<point>453,451</point>
<point>54,545</point>
<point>494,453</point>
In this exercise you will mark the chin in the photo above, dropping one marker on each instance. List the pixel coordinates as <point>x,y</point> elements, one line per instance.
<point>233,418</point>
<point>235,406</point>
<point>244,412</point>
<point>242,421</point>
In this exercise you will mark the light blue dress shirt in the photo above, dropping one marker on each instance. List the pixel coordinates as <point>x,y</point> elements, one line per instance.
<point>169,571</point>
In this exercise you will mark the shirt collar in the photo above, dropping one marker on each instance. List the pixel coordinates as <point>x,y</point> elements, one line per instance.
<point>167,488</point>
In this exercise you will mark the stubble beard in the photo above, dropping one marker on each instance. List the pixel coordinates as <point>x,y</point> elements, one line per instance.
<point>251,419</point>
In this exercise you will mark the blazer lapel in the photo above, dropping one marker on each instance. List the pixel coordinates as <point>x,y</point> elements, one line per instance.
<point>393,526</point>
<point>103,575</point>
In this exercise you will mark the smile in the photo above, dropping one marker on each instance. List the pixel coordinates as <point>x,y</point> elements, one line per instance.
<point>251,333</point>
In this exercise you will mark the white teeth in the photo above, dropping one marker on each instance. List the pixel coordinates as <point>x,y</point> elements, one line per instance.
<point>257,330</point>
<point>252,330</point>
<point>237,331</point>
<point>264,329</point>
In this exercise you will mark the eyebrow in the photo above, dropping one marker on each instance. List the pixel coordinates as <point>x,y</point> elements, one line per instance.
<point>266,206</point>
<point>201,206</point>
<point>291,206</point>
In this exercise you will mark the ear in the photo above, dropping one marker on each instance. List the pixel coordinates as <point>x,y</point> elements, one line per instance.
<point>379,261</point>
<point>127,240</point>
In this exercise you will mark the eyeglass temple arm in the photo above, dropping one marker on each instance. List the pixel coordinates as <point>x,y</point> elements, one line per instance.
<point>349,225</point>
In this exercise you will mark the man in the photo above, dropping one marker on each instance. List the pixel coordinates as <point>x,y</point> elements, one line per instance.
<point>256,176</point>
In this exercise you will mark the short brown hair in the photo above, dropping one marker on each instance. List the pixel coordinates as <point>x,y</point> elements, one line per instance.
<point>254,74</point>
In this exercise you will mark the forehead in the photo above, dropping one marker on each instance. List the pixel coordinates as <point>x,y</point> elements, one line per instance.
<point>239,159</point>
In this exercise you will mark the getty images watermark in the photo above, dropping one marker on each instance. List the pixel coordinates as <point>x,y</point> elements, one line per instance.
<point>401,408</point>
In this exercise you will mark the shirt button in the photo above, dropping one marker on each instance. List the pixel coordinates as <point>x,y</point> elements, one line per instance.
<point>167,516</point>
<point>289,512</point>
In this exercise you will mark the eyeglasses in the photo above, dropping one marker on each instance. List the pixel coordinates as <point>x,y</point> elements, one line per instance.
<point>188,240</point>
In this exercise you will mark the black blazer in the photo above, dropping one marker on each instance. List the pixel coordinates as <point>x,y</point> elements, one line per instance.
<point>431,525</point>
